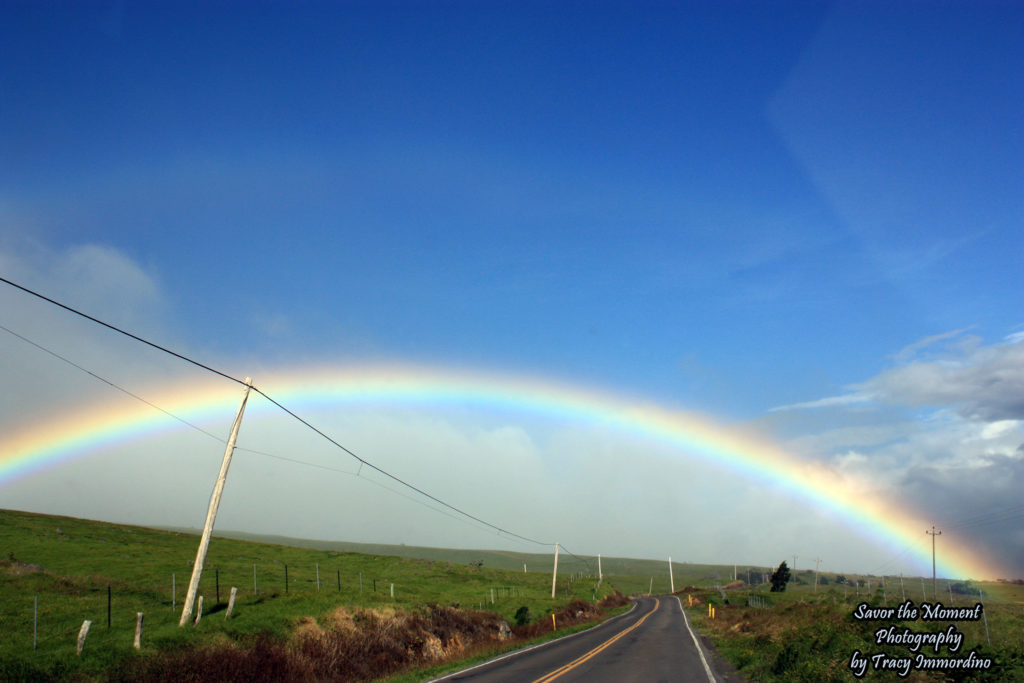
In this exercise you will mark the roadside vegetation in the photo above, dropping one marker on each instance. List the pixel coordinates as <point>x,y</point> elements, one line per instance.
<point>347,626</point>
<point>808,634</point>
<point>443,615</point>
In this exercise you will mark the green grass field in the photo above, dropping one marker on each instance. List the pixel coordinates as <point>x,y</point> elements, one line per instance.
<point>804,634</point>
<point>68,566</point>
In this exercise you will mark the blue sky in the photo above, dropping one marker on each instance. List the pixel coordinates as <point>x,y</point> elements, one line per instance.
<point>733,208</point>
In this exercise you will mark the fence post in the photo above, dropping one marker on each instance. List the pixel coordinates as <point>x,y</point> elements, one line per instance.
<point>35,621</point>
<point>108,606</point>
<point>286,579</point>
<point>231,602</point>
<point>138,630</point>
<point>217,574</point>
<point>317,577</point>
<point>985,615</point>
<point>82,633</point>
<point>174,594</point>
<point>255,588</point>
<point>339,579</point>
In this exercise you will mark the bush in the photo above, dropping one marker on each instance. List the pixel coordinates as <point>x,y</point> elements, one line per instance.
<point>780,578</point>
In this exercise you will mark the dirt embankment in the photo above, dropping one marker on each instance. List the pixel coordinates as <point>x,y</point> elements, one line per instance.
<point>359,646</point>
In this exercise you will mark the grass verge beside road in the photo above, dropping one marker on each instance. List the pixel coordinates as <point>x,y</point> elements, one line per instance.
<point>443,610</point>
<point>801,635</point>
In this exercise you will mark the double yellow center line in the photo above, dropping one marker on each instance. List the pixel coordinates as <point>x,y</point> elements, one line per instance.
<point>597,650</point>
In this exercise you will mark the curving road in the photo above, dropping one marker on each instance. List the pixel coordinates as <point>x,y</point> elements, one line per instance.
<point>652,642</point>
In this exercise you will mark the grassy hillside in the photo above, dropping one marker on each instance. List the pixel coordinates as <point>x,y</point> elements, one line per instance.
<point>69,565</point>
<point>631,575</point>
<point>810,635</point>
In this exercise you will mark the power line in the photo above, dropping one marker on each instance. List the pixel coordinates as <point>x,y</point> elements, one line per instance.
<point>991,517</point>
<point>361,460</point>
<point>124,332</point>
<point>395,478</point>
<point>222,441</point>
<point>109,383</point>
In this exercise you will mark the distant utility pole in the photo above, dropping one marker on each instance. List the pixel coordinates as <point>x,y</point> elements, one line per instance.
<point>211,513</point>
<point>933,533</point>
<point>794,564</point>
<point>816,563</point>
<point>671,579</point>
<point>554,574</point>
<point>600,575</point>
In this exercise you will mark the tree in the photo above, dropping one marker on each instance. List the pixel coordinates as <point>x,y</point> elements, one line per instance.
<point>780,578</point>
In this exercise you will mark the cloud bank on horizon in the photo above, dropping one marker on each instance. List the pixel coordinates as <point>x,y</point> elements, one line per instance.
<point>805,223</point>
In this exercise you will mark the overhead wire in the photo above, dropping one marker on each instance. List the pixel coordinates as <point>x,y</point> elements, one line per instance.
<point>121,331</point>
<point>1006,514</point>
<point>288,411</point>
<point>217,438</point>
<point>418,490</point>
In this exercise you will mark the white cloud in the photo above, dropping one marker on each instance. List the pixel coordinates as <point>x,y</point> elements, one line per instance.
<point>100,281</point>
<point>911,350</point>
<point>985,384</point>
<point>828,402</point>
<point>943,432</point>
<point>994,430</point>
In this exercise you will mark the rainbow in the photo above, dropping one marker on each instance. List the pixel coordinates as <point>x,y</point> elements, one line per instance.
<point>48,442</point>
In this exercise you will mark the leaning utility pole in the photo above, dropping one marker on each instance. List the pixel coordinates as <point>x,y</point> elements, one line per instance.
<point>671,579</point>
<point>211,513</point>
<point>554,574</point>
<point>933,533</point>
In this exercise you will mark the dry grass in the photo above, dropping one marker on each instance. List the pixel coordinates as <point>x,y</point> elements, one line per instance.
<point>360,646</point>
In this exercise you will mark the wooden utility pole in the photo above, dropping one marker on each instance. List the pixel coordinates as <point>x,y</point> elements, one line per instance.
<point>211,513</point>
<point>933,533</point>
<point>671,579</point>
<point>554,574</point>
<point>600,575</point>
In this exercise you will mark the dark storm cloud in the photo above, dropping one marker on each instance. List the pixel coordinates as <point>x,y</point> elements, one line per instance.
<point>980,503</point>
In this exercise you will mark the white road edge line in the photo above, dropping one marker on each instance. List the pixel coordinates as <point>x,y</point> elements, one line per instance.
<point>707,669</point>
<point>516,653</point>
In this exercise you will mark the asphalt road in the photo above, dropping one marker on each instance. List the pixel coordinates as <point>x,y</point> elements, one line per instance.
<point>653,642</point>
